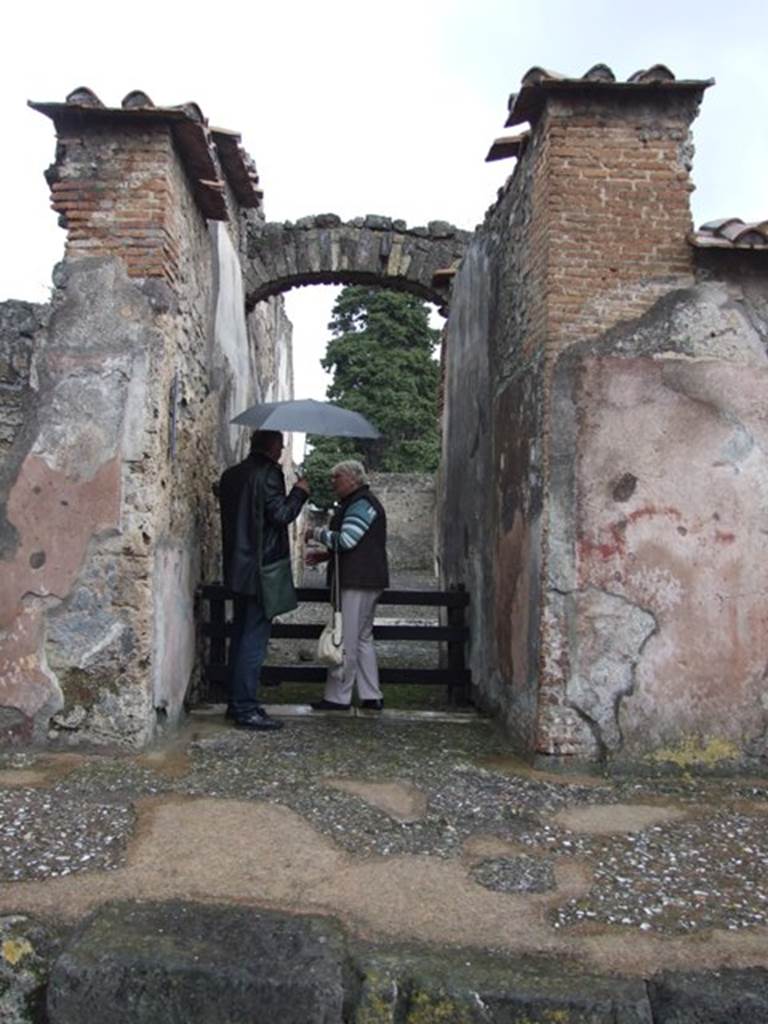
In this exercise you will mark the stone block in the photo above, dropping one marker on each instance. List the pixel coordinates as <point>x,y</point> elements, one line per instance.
<point>378,223</point>
<point>441,229</point>
<point>26,950</point>
<point>416,989</point>
<point>161,963</point>
<point>710,997</point>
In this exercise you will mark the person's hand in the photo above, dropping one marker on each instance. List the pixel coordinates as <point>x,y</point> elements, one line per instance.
<point>303,484</point>
<point>315,556</point>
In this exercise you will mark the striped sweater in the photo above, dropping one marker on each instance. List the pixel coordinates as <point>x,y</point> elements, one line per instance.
<point>357,520</point>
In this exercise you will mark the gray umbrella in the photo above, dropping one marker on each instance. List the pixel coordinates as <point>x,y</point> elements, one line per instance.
<point>309,417</point>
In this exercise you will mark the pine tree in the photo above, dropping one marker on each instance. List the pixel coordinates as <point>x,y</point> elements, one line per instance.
<point>381,357</point>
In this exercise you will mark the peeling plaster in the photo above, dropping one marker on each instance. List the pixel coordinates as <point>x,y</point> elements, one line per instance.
<point>608,635</point>
<point>660,497</point>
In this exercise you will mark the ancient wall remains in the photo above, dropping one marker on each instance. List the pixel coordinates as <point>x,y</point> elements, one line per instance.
<point>409,501</point>
<point>133,374</point>
<point>658,519</point>
<point>590,398</point>
<point>370,250</point>
<point>22,326</point>
<point>490,481</point>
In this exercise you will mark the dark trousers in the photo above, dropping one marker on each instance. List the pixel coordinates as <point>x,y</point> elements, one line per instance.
<point>248,649</point>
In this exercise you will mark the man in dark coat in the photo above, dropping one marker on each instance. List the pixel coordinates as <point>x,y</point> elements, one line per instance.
<point>254,487</point>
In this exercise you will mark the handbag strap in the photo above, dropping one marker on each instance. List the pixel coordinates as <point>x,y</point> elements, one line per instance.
<point>336,591</point>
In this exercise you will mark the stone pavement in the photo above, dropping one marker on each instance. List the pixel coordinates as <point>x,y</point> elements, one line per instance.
<point>466,884</point>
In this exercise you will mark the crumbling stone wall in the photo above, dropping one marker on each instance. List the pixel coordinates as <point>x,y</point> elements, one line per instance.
<point>409,500</point>
<point>490,482</point>
<point>22,324</point>
<point>135,371</point>
<point>658,515</point>
<point>591,383</point>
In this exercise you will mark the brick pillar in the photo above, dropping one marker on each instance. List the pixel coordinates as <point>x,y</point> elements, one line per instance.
<point>610,195</point>
<point>604,236</point>
<point>112,188</point>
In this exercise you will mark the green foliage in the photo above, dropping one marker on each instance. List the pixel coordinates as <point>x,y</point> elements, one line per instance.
<point>381,359</point>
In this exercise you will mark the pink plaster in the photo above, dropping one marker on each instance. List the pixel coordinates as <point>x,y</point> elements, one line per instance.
<point>689,544</point>
<point>24,684</point>
<point>55,517</point>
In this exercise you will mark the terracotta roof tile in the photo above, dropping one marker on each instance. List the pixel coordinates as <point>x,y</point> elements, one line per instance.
<point>507,146</point>
<point>599,73</point>
<point>539,83</point>
<point>136,99</point>
<point>83,97</point>
<point>197,145</point>
<point>238,166</point>
<point>731,233</point>
<point>657,73</point>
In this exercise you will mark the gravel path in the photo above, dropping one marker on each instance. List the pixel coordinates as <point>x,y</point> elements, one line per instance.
<point>705,868</point>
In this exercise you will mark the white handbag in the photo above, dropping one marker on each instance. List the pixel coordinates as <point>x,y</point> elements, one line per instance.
<point>330,646</point>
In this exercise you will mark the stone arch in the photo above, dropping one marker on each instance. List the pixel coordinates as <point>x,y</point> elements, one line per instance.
<point>369,250</point>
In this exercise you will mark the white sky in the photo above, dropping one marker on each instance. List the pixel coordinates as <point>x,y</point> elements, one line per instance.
<point>360,107</point>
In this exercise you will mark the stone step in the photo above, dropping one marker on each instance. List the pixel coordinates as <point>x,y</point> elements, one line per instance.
<point>180,961</point>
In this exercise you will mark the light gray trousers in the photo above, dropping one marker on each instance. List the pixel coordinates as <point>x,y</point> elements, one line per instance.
<point>359,666</point>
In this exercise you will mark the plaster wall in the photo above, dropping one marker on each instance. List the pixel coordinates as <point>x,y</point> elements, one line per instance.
<point>110,520</point>
<point>603,482</point>
<point>660,524</point>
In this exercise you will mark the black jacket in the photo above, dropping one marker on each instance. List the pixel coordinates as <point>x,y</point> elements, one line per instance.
<point>363,567</point>
<point>240,490</point>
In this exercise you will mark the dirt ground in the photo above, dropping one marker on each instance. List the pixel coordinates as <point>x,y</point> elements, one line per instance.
<point>403,828</point>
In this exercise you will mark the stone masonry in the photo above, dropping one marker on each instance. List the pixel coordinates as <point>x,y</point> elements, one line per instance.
<point>593,355</point>
<point>603,482</point>
<point>372,250</point>
<point>120,396</point>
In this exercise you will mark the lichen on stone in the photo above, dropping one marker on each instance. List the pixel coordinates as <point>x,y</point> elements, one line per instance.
<point>696,752</point>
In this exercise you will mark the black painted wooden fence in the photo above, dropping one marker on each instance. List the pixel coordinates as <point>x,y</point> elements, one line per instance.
<point>217,627</point>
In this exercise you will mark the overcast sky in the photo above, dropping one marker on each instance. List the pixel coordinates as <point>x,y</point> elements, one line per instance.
<point>362,107</point>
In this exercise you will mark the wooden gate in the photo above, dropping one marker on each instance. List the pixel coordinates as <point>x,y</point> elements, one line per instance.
<point>217,627</point>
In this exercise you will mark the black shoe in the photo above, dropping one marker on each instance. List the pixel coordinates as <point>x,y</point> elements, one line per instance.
<point>230,713</point>
<point>328,705</point>
<point>372,705</point>
<point>258,719</point>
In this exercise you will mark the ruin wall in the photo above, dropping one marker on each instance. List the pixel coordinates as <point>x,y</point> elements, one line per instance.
<point>134,372</point>
<point>603,420</point>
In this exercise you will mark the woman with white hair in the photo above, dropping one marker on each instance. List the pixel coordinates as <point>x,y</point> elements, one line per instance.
<point>358,531</point>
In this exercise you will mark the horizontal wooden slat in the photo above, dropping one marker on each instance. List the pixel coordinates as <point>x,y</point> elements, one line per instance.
<point>272,675</point>
<point>434,598</point>
<point>312,630</point>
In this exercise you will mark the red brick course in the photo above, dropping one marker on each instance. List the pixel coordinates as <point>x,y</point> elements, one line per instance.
<point>128,210</point>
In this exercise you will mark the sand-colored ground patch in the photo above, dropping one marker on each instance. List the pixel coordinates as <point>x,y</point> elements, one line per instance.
<point>22,777</point>
<point>602,819</point>
<point>400,800</point>
<point>479,848</point>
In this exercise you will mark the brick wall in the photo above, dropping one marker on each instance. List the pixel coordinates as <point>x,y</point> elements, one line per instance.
<point>116,199</point>
<point>617,210</point>
<point>589,231</point>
